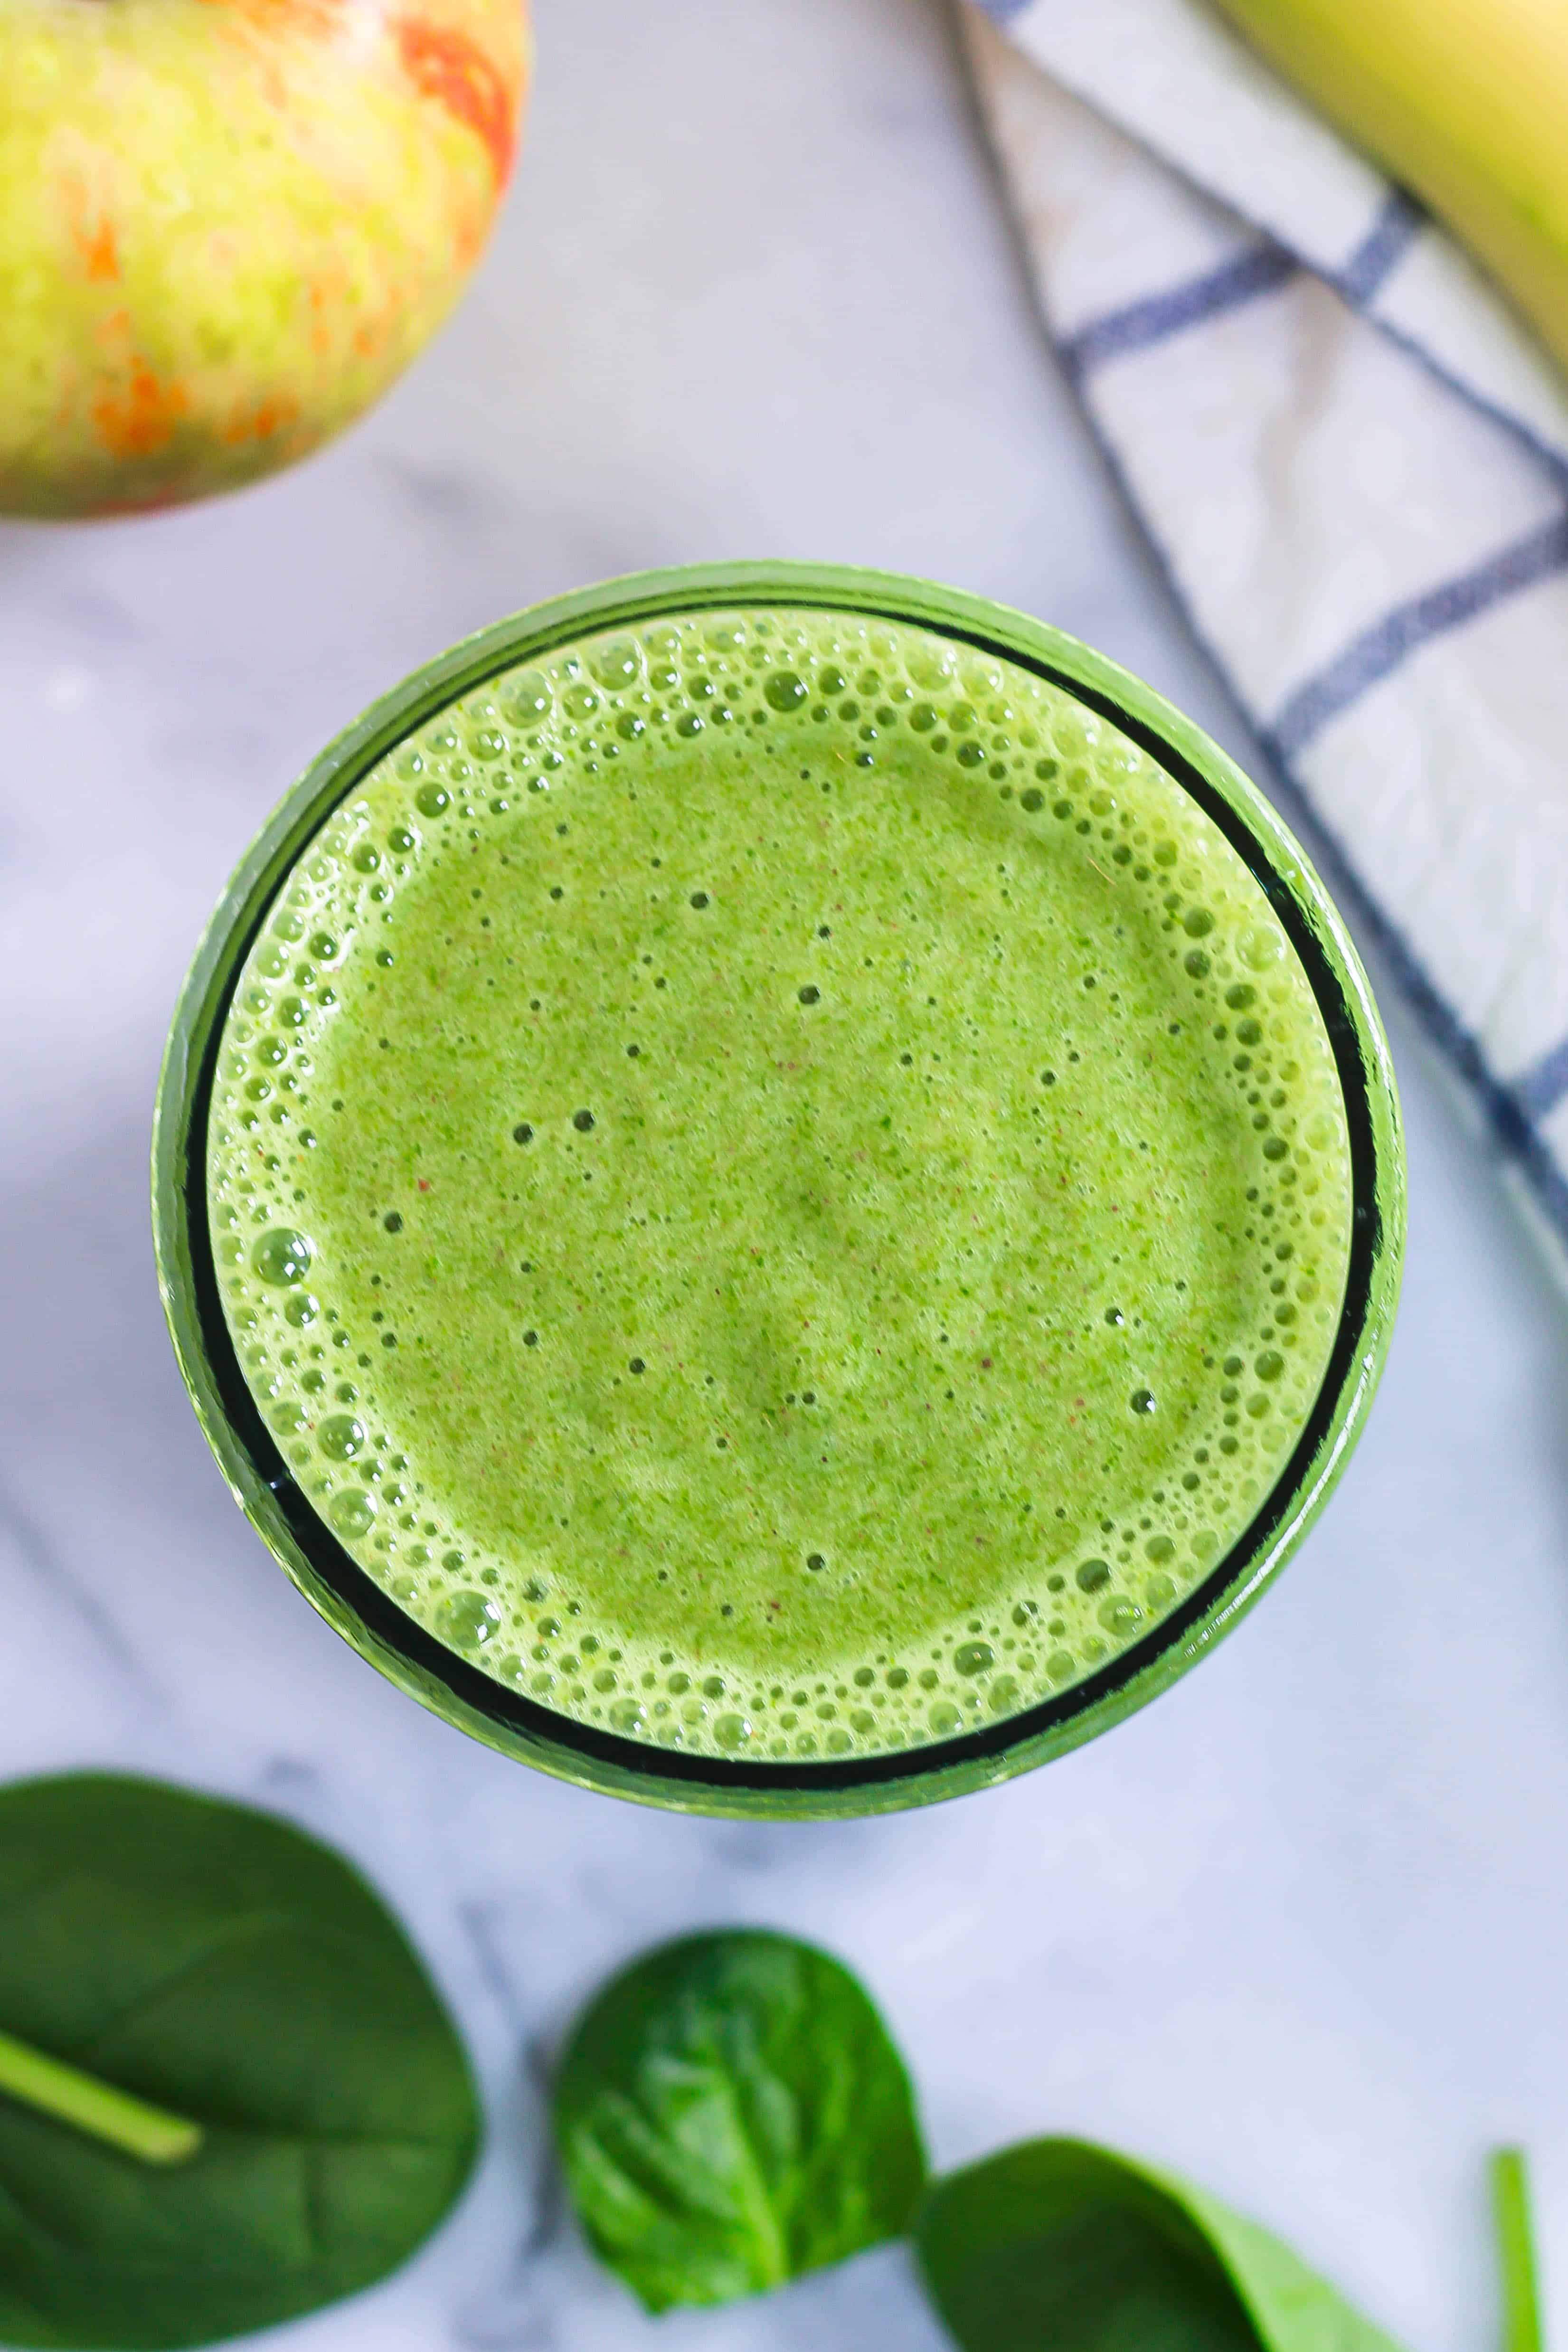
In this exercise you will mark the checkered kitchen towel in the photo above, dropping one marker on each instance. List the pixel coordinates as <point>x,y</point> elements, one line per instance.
<point>1354,465</point>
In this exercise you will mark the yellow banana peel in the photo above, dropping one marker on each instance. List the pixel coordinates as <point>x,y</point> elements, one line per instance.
<point>1466,102</point>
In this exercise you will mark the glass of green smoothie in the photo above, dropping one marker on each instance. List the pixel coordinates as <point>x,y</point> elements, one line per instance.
<point>778,1190</point>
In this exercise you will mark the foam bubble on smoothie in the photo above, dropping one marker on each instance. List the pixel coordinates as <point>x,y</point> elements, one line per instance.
<point>779,1184</point>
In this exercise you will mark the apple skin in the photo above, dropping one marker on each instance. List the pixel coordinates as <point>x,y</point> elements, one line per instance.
<point>227,225</point>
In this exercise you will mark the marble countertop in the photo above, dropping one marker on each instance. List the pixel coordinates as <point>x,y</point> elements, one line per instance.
<point>1298,1929</point>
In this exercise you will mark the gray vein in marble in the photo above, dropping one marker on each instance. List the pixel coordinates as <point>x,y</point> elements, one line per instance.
<point>38,1557</point>
<point>480,1925</point>
<point>510,2313</point>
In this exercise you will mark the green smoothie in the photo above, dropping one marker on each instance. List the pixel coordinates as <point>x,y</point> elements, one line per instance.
<point>779,1184</point>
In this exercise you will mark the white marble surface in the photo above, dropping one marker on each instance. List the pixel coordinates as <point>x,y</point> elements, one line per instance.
<point>1299,1928</point>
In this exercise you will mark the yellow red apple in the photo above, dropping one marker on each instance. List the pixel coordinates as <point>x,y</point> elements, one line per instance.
<point>226,225</point>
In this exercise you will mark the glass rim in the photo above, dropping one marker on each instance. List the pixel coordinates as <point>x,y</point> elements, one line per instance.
<point>350,1597</point>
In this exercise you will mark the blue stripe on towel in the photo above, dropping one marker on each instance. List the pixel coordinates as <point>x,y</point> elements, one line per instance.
<point>1005,10</point>
<point>1154,318</point>
<point>1381,649</point>
<point>1510,1112</point>
<point>1399,223</point>
<point>1541,1088</point>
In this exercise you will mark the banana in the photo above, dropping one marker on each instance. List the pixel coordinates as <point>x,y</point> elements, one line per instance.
<point>1466,102</point>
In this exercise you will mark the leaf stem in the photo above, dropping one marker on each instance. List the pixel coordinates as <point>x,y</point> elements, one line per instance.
<point>1516,2252</point>
<point>95,2107</point>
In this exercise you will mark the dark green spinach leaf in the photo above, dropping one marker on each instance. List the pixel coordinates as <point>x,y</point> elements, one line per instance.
<point>1057,2242</point>
<point>731,2113</point>
<point>220,1964</point>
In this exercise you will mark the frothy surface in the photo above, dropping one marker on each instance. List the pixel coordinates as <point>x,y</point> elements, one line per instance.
<point>779,1184</point>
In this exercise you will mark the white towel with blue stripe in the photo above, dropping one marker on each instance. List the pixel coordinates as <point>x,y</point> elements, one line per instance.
<point>1353,465</point>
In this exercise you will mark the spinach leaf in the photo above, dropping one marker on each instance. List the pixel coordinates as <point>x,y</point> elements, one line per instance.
<point>219,1964</point>
<point>1056,2241</point>
<point>731,2113</point>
